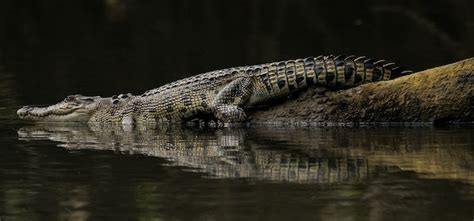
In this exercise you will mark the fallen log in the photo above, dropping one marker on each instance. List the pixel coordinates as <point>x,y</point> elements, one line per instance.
<point>440,95</point>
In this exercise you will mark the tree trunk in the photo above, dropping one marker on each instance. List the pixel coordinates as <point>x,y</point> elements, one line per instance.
<point>440,95</point>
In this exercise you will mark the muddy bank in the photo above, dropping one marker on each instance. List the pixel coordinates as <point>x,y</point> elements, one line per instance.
<point>440,95</point>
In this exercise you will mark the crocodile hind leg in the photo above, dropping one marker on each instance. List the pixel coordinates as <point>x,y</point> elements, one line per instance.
<point>228,103</point>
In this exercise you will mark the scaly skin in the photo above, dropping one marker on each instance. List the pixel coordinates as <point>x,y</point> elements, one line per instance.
<point>224,93</point>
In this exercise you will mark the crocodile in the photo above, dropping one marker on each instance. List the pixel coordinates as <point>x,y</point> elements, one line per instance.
<point>225,94</point>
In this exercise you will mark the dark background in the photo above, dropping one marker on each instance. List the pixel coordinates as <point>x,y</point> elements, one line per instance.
<point>49,49</point>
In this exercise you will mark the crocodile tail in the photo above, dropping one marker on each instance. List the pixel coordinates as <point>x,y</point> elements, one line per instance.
<point>281,78</point>
<point>349,71</point>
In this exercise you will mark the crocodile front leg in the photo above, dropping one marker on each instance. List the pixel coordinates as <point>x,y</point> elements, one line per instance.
<point>228,103</point>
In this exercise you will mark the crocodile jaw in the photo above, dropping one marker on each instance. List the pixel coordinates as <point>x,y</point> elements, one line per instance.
<point>50,114</point>
<point>75,108</point>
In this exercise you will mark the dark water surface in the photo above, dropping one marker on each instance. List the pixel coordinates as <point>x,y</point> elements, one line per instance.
<point>79,172</point>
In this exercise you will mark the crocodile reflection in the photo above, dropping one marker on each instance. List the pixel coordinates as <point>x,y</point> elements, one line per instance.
<point>302,156</point>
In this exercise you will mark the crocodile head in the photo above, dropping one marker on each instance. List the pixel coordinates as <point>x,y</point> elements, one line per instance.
<point>74,108</point>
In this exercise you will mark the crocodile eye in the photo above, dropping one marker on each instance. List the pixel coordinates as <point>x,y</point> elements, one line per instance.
<point>70,98</point>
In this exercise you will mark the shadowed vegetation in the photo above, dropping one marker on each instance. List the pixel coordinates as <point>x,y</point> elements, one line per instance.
<point>116,46</point>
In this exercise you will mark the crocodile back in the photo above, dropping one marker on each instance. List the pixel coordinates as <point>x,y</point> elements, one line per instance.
<point>186,97</point>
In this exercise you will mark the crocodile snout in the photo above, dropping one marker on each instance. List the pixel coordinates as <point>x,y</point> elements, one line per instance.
<point>23,111</point>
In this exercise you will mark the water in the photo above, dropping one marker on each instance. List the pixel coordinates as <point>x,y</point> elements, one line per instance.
<point>79,172</point>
